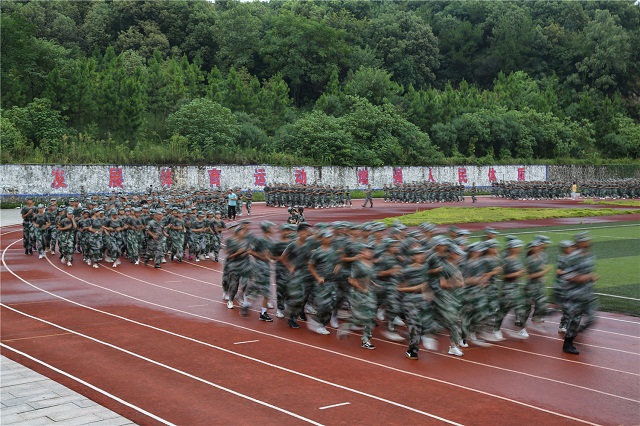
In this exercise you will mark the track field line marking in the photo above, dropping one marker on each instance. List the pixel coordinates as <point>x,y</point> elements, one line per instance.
<point>35,337</point>
<point>246,341</point>
<point>288,340</point>
<point>168,367</point>
<point>618,319</point>
<point>89,385</point>
<point>334,405</point>
<point>560,231</point>
<point>487,365</point>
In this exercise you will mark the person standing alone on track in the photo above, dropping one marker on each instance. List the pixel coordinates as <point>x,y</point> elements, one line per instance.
<point>231,203</point>
<point>368,198</point>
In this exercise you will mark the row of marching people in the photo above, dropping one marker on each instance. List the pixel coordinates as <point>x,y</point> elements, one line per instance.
<point>356,277</point>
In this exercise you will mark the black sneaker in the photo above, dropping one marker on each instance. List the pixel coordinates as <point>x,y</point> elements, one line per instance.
<point>367,345</point>
<point>157,266</point>
<point>518,323</point>
<point>303,316</point>
<point>265,317</point>
<point>412,354</point>
<point>291,323</point>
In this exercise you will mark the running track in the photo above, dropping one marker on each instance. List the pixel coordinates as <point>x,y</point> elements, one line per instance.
<point>160,347</point>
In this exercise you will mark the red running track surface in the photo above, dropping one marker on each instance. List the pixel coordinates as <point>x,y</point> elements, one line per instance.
<point>160,347</point>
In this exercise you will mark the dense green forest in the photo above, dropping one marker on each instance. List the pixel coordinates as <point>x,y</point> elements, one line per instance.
<point>320,82</point>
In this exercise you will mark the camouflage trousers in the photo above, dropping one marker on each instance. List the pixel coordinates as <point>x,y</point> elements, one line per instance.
<point>67,245</point>
<point>28,235</point>
<point>419,316</point>
<point>177,244</point>
<point>324,296</point>
<point>40,240</point>
<point>511,297</point>
<point>535,300</point>
<point>363,310</point>
<point>282,278</point>
<point>446,312</point>
<point>133,239</point>
<point>95,247</point>
<point>580,302</point>
<point>475,310</point>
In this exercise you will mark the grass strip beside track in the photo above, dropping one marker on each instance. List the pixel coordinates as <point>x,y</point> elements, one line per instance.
<point>624,203</point>
<point>445,215</point>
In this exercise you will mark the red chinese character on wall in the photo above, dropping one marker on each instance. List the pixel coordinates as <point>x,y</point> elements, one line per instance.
<point>300,176</point>
<point>260,177</point>
<point>214,177</point>
<point>363,176</point>
<point>166,179</point>
<point>430,178</point>
<point>492,175</point>
<point>462,175</point>
<point>115,177</point>
<point>397,175</point>
<point>59,180</point>
<point>521,174</point>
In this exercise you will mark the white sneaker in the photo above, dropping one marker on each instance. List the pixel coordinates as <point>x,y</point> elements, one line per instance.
<point>197,259</point>
<point>454,350</point>
<point>380,314</point>
<point>496,336</point>
<point>397,321</point>
<point>334,321</point>
<point>137,262</point>
<point>225,296</point>
<point>429,343</point>
<point>163,260</point>
<point>89,262</point>
<point>41,256</point>
<point>462,343</point>
<point>62,260</point>
<point>115,264</point>
<point>562,330</point>
<point>95,266</point>
<point>270,305</point>
<point>206,257</point>
<point>68,263</point>
<point>522,334</point>
<point>478,342</point>
<point>322,330</point>
<point>392,335</point>
<point>279,314</point>
<point>230,304</point>
<point>310,310</point>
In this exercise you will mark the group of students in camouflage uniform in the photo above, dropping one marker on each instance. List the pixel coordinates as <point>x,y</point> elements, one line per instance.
<point>611,188</point>
<point>314,196</point>
<point>423,192</point>
<point>531,190</point>
<point>141,227</point>
<point>369,275</point>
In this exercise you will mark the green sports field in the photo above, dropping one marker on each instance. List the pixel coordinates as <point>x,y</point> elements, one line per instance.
<point>617,249</point>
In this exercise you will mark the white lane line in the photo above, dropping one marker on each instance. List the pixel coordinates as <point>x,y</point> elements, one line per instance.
<point>89,385</point>
<point>618,319</point>
<point>175,370</point>
<point>284,339</point>
<point>246,341</point>
<point>334,405</point>
<point>167,282</point>
<point>562,231</point>
<point>196,306</point>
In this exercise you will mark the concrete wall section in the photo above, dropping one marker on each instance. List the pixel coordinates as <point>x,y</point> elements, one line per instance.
<point>47,179</point>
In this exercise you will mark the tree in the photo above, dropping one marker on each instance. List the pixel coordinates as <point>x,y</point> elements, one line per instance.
<point>375,85</point>
<point>207,125</point>
<point>605,49</point>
